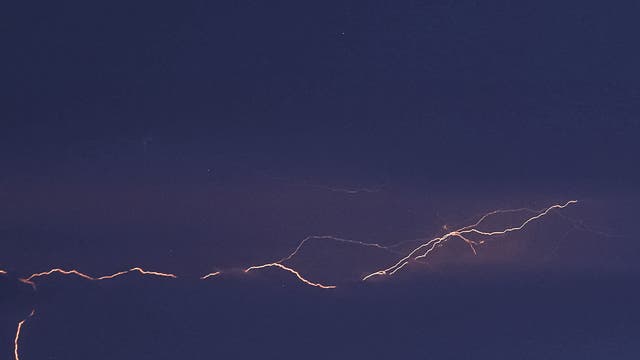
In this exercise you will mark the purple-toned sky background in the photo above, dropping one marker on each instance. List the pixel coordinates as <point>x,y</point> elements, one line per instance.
<point>202,135</point>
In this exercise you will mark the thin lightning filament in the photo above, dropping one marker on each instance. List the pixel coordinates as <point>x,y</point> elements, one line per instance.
<point>296,273</point>
<point>16,340</point>
<point>30,280</point>
<point>427,248</point>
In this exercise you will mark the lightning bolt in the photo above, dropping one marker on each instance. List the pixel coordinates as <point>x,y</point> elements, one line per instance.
<point>279,264</point>
<point>425,249</point>
<point>418,253</point>
<point>288,269</point>
<point>333,238</point>
<point>215,273</point>
<point>16,340</point>
<point>422,251</point>
<point>141,271</point>
<point>30,280</point>
<point>430,245</point>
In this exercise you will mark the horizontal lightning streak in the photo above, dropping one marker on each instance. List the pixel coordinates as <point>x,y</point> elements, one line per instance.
<point>215,273</point>
<point>297,274</point>
<point>420,252</point>
<point>334,238</point>
<point>141,271</point>
<point>30,280</point>
<point>299,247</point>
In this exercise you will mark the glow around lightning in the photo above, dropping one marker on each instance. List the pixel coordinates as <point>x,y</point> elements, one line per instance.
<point>215,273</point>
<point>420,252</point>
<point>31,279</point>
<point>427,248</point>
<point>417,254</point>
<point>294,272</point>
<point>279,264</point>
<point>16,340</point>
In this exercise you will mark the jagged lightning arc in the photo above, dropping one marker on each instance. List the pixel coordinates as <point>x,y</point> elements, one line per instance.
<point>215,273</point>
<point>30,280</point>
<point>332,238</point>
<point>418,253</point>
<point>16,340</point>
<point>279,264</point>
<point>293,271</point>
<point>425,249</point>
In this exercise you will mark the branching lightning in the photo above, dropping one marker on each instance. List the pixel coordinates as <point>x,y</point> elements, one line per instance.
<point>420,252</point>
<point>423,250</point>
<point>279,263</point>
<point>471,235</point>
<point>333,238</point>
<point>427,248</point>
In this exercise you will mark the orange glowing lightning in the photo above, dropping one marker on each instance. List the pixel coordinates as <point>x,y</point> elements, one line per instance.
<point>432,244</point>
<point>297,274</point>
<point>16,340</point>
<point>215,273</point>
<point>30,280</point>
<point>420,252</point>
<point>279,264</point>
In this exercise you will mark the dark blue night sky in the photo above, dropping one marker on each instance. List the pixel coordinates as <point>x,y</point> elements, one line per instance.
<point>200,136</point>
